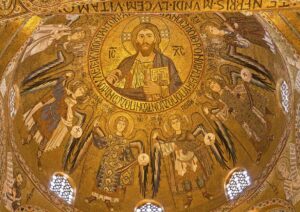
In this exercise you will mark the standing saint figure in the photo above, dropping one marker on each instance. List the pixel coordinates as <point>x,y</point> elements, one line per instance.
<point>13,191</point>
<point>116,169</point>
<point>51,119</point>
<point>149,74</point>
<point>63,46</point>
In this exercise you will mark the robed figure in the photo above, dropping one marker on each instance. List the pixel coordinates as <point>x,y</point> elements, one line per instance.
<point>148,75</point>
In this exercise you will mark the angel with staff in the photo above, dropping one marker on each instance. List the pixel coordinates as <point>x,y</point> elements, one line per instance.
<point>186,157</point>
<point>56,116</point>
<point>116,169</point>
<point>240,31</point>
<point>242,104</point>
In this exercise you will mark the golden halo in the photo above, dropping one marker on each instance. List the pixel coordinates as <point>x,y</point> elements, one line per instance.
<point>161,25</point>
<point>129,128</point>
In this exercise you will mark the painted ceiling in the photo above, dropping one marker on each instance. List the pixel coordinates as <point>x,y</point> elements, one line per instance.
<point>123,105</point>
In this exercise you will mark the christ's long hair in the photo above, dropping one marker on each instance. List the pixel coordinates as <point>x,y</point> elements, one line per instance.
<point>151,27</point>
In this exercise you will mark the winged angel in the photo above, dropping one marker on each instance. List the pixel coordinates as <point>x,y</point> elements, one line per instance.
<point>187,155</point>
<point>116,168</point>
<point>57,114</point>
<point>67,113</point>
<point>242,101</point>
<point>239,31</point>
<point>248,77</point>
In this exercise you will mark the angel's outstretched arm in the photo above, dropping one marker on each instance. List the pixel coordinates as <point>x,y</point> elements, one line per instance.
<point>155,165</point>
<point>156,157</point>
<point>199,130</point>
<point>216,139</point>
<point>99,138</point>
<point>138,145</point>
<point>77,147</point>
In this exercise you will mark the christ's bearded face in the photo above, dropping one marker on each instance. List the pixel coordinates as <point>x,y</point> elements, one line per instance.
<point>145,42</point>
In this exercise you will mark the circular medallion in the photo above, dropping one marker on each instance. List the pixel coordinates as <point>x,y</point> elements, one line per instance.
<point>217,110</point>
<point>143,159</point>
<point>209,139</point>
<point>246,75</point>
<point>76,131</point>
<point>139,64</point>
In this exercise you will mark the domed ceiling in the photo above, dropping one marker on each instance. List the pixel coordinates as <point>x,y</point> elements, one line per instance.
<point>106,112</point>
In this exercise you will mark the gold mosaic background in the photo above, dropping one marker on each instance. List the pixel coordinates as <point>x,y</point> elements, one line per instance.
<point>163,114</point>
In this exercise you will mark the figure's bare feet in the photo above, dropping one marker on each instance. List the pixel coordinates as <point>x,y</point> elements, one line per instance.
<point>109,205</point>
<point>258,157</point>
<point>207,195</point>
<point>39,164</point>
<point>188,202</point>
<point>90,199</point>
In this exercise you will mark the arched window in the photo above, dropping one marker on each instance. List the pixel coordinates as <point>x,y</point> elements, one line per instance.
<point>285,93</point>
<point>149,206</point>
<point>236,183</point>
<point>61,186</point>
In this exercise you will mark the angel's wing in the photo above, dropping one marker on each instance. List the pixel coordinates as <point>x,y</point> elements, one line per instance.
<point>155,158</point>
<point>43,71</point>
<point>141,142</point>
<point>77,147</point>
<point>216,136</point>
<point>249,27</point>
<point>155,165</point>
<point>223,133</point>
<point>217,140</point>
<point>143,169</point>
<point>143,172</point>
<point>44,37</point>
<point>234,74</point>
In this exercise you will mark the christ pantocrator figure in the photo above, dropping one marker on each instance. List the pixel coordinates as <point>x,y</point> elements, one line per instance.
<point>147,75</point>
